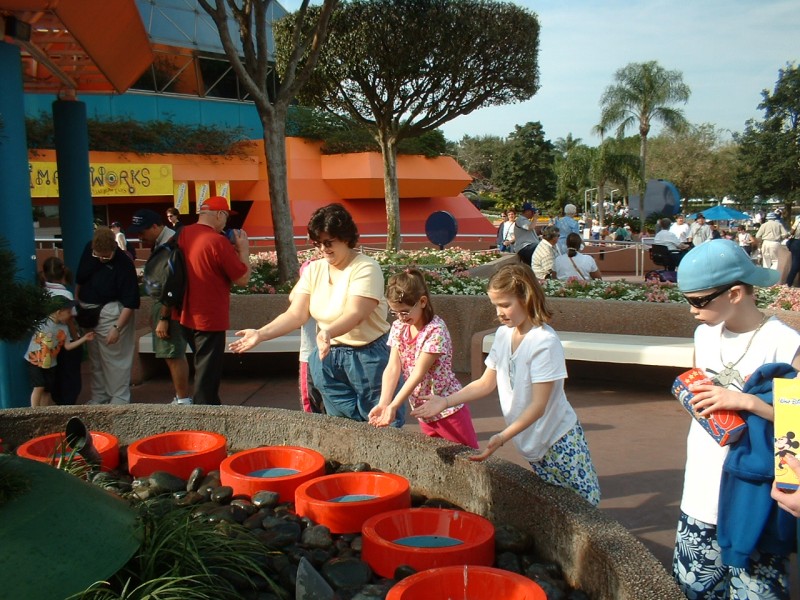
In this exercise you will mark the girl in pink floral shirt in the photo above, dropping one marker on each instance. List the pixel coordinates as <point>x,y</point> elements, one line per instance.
<point>422,352</point>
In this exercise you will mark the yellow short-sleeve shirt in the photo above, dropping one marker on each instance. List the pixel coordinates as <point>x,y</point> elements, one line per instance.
<point>327,301</point>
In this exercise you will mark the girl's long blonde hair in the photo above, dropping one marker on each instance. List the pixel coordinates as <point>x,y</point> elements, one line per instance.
<point>519,281</point>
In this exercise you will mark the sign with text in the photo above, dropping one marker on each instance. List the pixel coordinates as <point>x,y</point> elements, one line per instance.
<point>107,179</point>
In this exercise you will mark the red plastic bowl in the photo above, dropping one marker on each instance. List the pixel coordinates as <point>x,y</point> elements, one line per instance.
<point>45,448</point>
<point>176,452</point>
<point>466,581</point>
<point>424,538</point>
<point>342,502</point>
<point>284,467</point>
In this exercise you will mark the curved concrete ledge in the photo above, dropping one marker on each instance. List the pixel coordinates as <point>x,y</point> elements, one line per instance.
<point>596,553</point>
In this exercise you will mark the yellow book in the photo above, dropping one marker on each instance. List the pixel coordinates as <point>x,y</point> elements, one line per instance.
<point>786,401</point>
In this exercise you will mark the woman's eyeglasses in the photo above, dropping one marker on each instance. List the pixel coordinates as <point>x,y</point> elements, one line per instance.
<point>326,243</point>
<point>703,301</point>
<point>403,314</point>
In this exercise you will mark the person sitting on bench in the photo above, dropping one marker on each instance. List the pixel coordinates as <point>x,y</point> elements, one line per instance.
<point>665,237</point>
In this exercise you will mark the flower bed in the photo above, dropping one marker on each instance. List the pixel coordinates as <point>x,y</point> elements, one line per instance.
<point>448,273</point>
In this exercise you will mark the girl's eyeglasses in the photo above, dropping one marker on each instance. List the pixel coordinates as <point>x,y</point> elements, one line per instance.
<point>403,314</point>
<point>326,243</point>
<point>703,301</point>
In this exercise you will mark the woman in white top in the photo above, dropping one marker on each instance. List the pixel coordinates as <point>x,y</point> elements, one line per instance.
<point>575,264</point>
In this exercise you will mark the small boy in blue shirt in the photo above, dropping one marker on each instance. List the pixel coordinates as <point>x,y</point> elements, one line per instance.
<point>49,338</point>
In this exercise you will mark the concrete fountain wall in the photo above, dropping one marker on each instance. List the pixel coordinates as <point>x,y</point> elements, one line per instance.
<point>596,553</point>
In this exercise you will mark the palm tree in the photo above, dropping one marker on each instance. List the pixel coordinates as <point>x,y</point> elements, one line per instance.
<point>641,95</point>
<point>565,145</point>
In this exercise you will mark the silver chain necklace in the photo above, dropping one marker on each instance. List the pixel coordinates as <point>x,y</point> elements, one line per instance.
<point>730,374</point>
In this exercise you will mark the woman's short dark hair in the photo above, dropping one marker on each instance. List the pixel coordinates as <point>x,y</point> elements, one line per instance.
<point>334,220</point>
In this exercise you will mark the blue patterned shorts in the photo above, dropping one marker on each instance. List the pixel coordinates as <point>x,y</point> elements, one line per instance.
<point>568,464</point>
<point>698,569</point>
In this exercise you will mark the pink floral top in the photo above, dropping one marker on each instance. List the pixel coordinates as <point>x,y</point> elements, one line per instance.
<point>440,379</point>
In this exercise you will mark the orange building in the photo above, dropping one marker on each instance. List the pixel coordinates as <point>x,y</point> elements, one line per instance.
<point>122,183</point>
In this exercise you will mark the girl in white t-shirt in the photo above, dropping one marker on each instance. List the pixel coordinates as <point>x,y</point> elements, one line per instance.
<point>422,352</point>
<point>526,364</point>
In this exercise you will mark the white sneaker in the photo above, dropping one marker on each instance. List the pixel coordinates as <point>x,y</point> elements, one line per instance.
<point>181,401</point>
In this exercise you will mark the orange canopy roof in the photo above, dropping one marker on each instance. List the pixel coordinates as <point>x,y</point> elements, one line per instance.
<point>80,45</point>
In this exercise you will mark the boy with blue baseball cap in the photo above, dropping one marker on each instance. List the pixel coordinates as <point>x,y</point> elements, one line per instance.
<point>732,341</point>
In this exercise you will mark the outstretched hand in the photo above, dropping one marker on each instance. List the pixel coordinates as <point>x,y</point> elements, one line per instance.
<point>494,444</point>
<point>382,416</point>
<point>248,338</point>
<point>432,406</point>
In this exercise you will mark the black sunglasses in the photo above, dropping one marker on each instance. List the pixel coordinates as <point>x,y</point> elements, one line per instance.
<point>703,301</point>
<point>326,243</point>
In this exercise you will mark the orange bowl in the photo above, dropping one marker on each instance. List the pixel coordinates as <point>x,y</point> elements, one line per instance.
<point>176,452</point>
<point>342,502</point>
<point>275,468</point>
<point>46,447</point>
<point>424,538</point>
<point>466,581</point>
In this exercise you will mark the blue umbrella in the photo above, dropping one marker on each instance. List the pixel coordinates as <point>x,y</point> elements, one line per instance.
<point>723,213</point>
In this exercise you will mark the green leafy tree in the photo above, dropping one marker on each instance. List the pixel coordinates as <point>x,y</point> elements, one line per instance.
<point>404,67</point>
<point>477,156</point>
<point>612,163</point>
<point>769,150</point>
<point>697,160</point>
<point>643,94</point>
<point>272,94</point>
<point>563,146</point>
<point>573,175</point>
<point>525,168</point>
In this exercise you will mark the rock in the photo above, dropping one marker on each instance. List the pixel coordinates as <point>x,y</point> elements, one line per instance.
<point>193,483</point>
<point>577,595</point>
<point>247,506</point>
<point>188,499</point>
<point>317,536</point>
<point>279,533</point>
<point>310,585</point>
<point>221,494</point>
<point>319,556</point>
<point>359,467</point>
<point>508,538</point>
<point>347,573</point>
<point>440,503</point>
<point>508,561</point>
<point>373,591</point>
<point>162,482</point>
<point>403,571</point>
<point>265,499</point>
<point>357,544</point>
<point>220,514</point>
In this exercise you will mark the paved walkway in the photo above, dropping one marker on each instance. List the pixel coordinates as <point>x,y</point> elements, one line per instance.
<point>636,432</point>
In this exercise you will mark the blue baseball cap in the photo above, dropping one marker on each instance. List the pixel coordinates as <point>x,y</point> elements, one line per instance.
<point>528,206</point>
<point>721,262</point>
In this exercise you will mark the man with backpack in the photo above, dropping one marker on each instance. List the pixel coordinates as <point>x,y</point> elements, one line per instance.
<point>213,264</point>
<point>168,341</point>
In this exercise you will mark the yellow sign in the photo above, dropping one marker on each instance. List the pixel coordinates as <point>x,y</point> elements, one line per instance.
<point>223,189</point>
<point>202,192</point>
<point>181,196</point>
<point>107,179</point>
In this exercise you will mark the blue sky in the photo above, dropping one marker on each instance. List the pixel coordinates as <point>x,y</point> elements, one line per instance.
<point>727,50</point>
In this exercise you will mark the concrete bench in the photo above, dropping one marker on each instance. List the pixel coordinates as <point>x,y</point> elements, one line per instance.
<point>659,351</point>
<point>145,365</point>
<point>287,343</point>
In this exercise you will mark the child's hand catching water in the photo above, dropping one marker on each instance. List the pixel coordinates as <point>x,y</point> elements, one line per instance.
<point>495,442</point>
<point>382,416</point>
<point>433,406</point>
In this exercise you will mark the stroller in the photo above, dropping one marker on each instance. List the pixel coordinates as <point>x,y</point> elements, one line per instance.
<point>664,257</point>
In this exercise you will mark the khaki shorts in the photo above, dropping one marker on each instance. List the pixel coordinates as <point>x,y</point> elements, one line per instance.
<point>173,346</point>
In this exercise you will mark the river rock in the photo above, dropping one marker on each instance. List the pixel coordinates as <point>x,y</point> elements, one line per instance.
<point>195,477</point>
<point>347,573</point>
<point>162,482</point>
<point>508,538</point>
<point>279,533</point>
<point>265,499</point>
<point>317,536</point>
<point>221,494</point>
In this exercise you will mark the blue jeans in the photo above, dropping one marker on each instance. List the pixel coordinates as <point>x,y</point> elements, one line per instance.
<point>349,379</point>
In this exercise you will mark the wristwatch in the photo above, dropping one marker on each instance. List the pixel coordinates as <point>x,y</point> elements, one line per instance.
<point>163,318</point>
